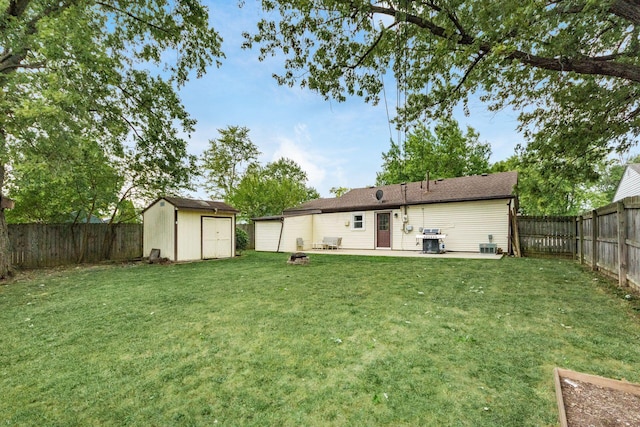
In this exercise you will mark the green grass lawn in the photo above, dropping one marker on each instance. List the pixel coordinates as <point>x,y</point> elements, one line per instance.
<point>343,341</point>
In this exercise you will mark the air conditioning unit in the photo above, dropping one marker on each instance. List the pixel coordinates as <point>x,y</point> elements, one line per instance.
<point>488,248</point>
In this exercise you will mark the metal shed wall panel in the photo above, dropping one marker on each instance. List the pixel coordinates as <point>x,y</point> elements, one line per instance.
<point>267,235</point>
<point>159,229</point>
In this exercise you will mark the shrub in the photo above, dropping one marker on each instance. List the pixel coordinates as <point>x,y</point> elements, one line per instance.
<point>242,240</point>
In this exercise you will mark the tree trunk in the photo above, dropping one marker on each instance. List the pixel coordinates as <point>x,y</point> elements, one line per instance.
<point>107,242</point>
<point>5,259</point>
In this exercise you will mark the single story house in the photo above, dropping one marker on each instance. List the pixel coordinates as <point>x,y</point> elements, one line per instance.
<point>187,229</point>
<point>469,210</point>
<point>629,184</point>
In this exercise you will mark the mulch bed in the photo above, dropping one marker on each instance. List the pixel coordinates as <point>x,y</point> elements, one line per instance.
<point>587,400</point>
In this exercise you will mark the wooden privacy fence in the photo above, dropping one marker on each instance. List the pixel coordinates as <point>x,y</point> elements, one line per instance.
<point>553,236</point>
<point>43,245</point>
<point>608,239</point>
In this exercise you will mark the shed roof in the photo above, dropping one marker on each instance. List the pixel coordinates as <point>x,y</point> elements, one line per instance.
<point>203,205</point>
<point>467,188</point>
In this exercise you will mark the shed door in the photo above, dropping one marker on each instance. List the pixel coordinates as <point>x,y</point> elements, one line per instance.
<point>216,237</point>
<point>383,230</point>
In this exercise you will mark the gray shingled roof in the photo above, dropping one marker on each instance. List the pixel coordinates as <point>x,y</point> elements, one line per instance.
<point>207,205</point>
<point>635,167</point>
<point>467,188</point>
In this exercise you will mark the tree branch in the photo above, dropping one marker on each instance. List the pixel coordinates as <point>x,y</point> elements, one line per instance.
<point>132,16</point>
<point>589,66</point>
<point>627,9</point>
<point>12,60</point>
<point>17,7</point>
<point>583,65</point>
<point>15,61</point>
<point>469,70</point>
<point>369,50</point>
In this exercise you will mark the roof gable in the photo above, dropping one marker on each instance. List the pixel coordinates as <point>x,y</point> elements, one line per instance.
<point>194,204</point>
<point>468,188</point>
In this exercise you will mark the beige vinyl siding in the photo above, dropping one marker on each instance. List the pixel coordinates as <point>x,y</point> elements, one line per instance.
<point>629,185</point>
<point>339,225</point>
<point>267,235</point>
<point>401,238</point>
<point>297,227</point>
<point>466,224</point>
<point>159,229</point>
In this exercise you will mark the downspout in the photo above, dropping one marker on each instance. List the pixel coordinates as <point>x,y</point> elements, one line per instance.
<point>404,198</point>
<point>281,228</point>
<point>510,247</point>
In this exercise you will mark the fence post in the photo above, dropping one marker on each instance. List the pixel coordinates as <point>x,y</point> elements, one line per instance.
<point>594,240</point>
<point>622,244</point>
<point>574,244</point>
<point>581,236</point>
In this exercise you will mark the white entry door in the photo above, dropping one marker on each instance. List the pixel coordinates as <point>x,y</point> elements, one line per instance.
<point>216,237</point>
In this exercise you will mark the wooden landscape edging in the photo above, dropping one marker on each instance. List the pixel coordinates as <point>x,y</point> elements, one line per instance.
<point>622,386</point>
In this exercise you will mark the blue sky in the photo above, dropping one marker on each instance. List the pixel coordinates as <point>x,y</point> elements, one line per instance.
<point>337,144</point>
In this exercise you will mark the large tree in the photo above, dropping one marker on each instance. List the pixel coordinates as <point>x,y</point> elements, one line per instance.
<point>557,195</point>
<point>226,159</point>
<point>69,185</point>
<point>270,189</point>
<point>572,67</point>
<point>103,71</point>
<point>445,152</point>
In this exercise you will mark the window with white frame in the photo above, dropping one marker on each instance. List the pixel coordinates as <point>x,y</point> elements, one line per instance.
<point>357,221</point>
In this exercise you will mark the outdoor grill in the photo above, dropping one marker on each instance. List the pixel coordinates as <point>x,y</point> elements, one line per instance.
<point>432,241</point>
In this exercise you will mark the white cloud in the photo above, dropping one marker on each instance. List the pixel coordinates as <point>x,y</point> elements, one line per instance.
<point>297,148</point>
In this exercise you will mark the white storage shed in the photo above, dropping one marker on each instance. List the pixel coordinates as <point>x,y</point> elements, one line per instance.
<point>187,229</point>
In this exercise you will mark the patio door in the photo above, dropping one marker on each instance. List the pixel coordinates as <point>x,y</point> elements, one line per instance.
<point>383,230</point>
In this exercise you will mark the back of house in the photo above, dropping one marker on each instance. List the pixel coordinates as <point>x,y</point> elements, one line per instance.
<point>470,211</point>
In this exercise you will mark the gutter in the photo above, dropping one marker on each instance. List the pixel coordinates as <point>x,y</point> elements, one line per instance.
<point>397,205</point>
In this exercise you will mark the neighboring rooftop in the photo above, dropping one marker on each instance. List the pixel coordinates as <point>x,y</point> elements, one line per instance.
<point>466,188</point>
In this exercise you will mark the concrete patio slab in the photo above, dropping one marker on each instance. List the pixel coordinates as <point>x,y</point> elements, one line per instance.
<point>414,254</point>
